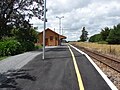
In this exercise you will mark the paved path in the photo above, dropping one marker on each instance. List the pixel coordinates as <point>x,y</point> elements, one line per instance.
<point>17,61</point>
<point>57,72</point>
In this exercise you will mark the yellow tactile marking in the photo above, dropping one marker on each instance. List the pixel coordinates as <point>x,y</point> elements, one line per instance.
<point>81,87</point>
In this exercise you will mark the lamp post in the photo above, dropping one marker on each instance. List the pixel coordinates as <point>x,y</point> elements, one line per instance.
<point>59,23</point>
<point>59,28</point>
<point>44,29</point>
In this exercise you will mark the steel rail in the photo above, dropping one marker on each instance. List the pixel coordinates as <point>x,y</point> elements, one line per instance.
<point>95,55</point>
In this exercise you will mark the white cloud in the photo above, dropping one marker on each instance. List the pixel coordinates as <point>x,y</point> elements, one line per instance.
<point>92,14</point>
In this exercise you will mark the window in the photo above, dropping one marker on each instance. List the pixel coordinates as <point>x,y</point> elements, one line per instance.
<point>51,37</point>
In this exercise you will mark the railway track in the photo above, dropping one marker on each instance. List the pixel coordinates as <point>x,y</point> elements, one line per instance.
<point>107,60</point>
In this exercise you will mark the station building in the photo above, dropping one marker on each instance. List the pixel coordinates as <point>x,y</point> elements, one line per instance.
<point>51,38</point>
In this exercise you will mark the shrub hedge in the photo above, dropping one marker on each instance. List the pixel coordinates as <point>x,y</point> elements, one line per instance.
<point>10,47</point>
<point>27,46</point>
<point>13,47</point>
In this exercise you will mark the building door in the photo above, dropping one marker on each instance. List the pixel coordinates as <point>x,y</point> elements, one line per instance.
<point>46,42</point>
<point>56,41</point>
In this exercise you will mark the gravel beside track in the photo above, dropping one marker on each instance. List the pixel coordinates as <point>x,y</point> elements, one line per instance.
<point>111,74</point>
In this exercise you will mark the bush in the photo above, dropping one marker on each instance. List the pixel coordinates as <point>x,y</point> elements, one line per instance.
<point>7,39</point>
<point>27,46</point>
<point>38,47</point>
<point>102,42</point>
<point>1,48</point>
<point>95,38</point>
<point>11,47</point>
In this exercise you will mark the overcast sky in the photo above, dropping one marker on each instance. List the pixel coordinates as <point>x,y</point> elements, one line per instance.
<point>92,14</point>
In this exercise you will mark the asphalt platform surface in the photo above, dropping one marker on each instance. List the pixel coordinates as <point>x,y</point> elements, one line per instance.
<point>57,72</point>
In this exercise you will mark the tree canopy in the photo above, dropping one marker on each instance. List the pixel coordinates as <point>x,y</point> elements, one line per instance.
<point>109,35</point>
<point>104,33</point>
<point>114,35</point>
<point>13,13</point>
<point>16,33</point>
<point>95,38</point>
<point>84,37</point>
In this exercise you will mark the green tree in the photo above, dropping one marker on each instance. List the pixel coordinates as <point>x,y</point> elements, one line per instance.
<point>114,35</point>
<point>25,33</point>
<point>104,33</point>
<point>13,13</point>
<point>95,38</point>
<point>84,35</point>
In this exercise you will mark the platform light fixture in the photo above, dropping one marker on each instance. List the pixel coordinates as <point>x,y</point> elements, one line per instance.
<point>60,23</point>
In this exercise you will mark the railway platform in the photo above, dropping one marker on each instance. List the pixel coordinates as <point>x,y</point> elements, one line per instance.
<point>64,68</point>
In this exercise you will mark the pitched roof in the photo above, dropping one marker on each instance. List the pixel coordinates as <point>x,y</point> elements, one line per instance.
<point>61,36</point>
<point>49,30</point>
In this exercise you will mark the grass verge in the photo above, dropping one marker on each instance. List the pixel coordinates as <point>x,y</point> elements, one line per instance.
<point>1,58</point>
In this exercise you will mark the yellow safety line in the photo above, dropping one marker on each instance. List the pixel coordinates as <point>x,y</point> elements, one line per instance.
<point>81,87</point>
